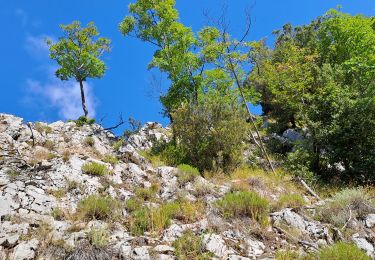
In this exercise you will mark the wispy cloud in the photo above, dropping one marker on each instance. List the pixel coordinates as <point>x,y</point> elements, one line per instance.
<point>48,92</point>
<point>36,46</point>
<point>25,18</point>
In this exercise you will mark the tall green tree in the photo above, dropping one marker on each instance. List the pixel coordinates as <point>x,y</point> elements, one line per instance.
<point>321,77</point>
<point>78,54</point>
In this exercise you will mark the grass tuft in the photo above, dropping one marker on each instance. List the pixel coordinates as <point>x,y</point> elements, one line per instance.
<point>95,168</point>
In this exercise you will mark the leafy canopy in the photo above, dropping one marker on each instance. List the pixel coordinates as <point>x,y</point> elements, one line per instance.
<point>78,52</point>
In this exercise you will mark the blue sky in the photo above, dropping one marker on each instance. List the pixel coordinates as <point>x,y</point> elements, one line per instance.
<point>30,90</point>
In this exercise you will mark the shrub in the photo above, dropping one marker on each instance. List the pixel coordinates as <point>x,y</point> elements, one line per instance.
<point>345,204</point>
<point>95,168</point>
<point>97,207</point>
<point>13,174</point>
<point>42,128</point>
<point>155,219</point>
<point>89,141</point>
<point>244,204</point>
<point>110,159</point>
<point>288,255</point>
<point>290,201</point>
<point>190,211</point>
<point>83,120</point>
<point>98,237</point>
<point>147,193</point>
<point>66,155</point>
<point>161,217</point>
<point>190,246</point>
<point>57,214</point>
<point>210,134</point>
<point>50,145</point>
<point>341,251</point>
<point>140,221</point>
<point>154,158</point>
<point>186,173</point>
<point>133,204</point>
<point>117,145</point>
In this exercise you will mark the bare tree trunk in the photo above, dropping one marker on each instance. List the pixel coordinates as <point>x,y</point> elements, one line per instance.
<point>83,99</point>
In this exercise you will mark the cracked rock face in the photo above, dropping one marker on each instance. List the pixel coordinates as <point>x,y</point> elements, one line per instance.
<point>42,184</point>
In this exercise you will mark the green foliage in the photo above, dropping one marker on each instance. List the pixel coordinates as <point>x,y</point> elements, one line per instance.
<point>340,251</point>
<point>190,246</point>
<point>84,120</point>
<point>244,204</point>
<point>57,214</point>
<point>320,76</point>
<point>89,141</point>
<point>110,159</point>
<point>210,134</point>
<point>147,193</point>
<point>95,168</point>
<point>78,52</point>
<point>117,145</point>
<point>186,173</point>
<point>348,203</point>
<point>42,128</point>
<point>140,221</point>
<point>98,237</point>
<point>97,207</point>
<point>290,201</point>
<point>13,174</point>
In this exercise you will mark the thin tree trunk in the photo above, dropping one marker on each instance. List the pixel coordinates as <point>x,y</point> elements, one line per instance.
<point>83,99</point>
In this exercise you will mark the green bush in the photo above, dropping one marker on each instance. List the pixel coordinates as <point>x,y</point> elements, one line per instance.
<point>89,141</point>
<point>133,204</point>
<point>42,128</point>
<point>190,246</point>
<point>110,159</point>
<point>117,145</point>
<point>97,207</point>
<point>147,193</point>
<point>140,221</point>
<point>95,168</point>
<point>244,204</point>
<point>186,173</point>
<point>340,251</point>
<point>83,120</point>
<point>155,219</point>
<point>210,134</point>
<point>345,204</point>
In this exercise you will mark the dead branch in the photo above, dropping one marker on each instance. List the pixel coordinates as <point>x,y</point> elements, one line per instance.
<point>304,184</point>
<point>120,123</point>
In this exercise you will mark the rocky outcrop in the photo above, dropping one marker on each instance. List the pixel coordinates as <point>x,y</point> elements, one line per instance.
<point>42,184</point>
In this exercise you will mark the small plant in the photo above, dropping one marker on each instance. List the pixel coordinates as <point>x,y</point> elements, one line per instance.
<point>57,214</point>
<point>186,173</point>
<point>140,221</point>
<point>110,159</point>
<point>155,159</point>
<point>244,204</point>
<point>346,204</point>
<point>83,120</point>
<point>190,211</point>
<point>42,128</point>
<point>59,193</point>
<point>72,185</point>
<point>117,145</point>
<point>13,174</point>
<point>89,141</point>
<point>66,155</point>
<point>162,216</point>
<point>133,204</point>
<point>50,145</point>
<point>340,251</point>
<point>290,201</point>
<point>98,237</point>
<point>287,255</point>
<point>190,246</point>
<point>97,207</point>
<point>95,168</point>
<point>147,193</point>
<point>156,219</point>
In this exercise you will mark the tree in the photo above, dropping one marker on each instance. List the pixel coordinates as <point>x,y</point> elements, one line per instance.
<point>196,64</point>
<point>320,77</point>
<point>78,54</point>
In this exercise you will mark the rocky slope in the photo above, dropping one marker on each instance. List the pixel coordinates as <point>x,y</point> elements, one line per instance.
<point>43,181</point>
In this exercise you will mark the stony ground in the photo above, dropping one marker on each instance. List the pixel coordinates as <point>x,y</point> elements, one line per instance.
<point>42,183</point>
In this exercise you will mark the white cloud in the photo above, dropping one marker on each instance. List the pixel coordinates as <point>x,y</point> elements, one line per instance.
<point>36,46</point>
<point>64,96</point>
<point>22,15</point>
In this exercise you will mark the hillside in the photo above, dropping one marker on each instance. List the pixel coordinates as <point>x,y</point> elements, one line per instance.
<point>70,192</point>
